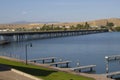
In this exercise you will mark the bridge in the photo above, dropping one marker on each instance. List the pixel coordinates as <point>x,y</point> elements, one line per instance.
<point>30,35</point>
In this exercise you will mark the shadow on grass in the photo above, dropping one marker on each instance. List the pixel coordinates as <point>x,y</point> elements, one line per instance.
<point>4,68</point>
<point>33,71</point>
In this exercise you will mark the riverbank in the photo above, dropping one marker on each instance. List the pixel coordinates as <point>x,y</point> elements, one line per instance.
<point>41,71</point>
<point>53,73</point>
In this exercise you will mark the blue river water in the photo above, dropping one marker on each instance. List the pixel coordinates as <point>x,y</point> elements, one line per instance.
<point>86,49</point>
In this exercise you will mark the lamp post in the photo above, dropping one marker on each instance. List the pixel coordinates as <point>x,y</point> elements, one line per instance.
<point>78,64</point>
<point>30,45</point>
<point>107,68</point>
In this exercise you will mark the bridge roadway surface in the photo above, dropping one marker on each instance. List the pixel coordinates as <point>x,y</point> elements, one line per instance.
<point>42,32</point>
<point>7,74</point>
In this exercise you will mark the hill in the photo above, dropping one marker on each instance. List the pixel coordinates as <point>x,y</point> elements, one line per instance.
<point>103,22</point>
<point>100,22</point>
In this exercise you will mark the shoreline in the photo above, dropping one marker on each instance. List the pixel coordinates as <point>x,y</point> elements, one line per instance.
<point>67,70</point>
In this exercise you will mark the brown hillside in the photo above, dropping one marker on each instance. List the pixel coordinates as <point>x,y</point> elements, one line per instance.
<point>103,22</point>
<point>100,22</point>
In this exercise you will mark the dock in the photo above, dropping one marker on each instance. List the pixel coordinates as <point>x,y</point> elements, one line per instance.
<point>112,74</point>
<point>83,67</point>
<point>44,59</point>
<point>58,63</point>
<point>112,58</point>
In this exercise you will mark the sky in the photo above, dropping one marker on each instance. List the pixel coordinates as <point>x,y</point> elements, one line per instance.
<point>58,10</point>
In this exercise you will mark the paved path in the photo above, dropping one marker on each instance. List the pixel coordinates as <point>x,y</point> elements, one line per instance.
<point>7,74</point>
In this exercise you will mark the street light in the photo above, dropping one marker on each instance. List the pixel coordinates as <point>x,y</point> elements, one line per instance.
<point>107,68</point>
<point>106,57</point>
<point>78,63</point>
<point>30,45</point>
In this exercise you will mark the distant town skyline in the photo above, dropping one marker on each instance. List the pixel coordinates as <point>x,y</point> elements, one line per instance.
<point>57,10</point>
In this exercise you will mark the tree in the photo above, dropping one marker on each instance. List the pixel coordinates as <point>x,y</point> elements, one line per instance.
<point>117,28</point>
<point>45,27</point>
<point>103,27</point>
<point>57,28</point>
<point>72,27</point>
<point>87,26</point>
<point>79,26</point>
<point>110,24</point>
<point>64,28</point>
<point>52,27</point>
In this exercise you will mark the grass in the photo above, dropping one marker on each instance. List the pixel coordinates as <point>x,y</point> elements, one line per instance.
<point>41,72</point>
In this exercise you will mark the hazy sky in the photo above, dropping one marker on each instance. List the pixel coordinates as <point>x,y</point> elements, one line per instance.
<point>58,10</point>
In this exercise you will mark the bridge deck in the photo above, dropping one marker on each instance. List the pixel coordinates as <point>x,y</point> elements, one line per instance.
<point>42,32</point>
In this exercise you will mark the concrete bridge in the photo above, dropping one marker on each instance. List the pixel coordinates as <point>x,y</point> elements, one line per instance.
<point>30,35</point>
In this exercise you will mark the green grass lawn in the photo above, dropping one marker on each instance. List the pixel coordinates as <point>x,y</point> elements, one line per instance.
<point>41,72</point>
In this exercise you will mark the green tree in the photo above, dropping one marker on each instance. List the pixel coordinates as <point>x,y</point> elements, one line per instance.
<point>117,28</point>
<point>103,27</point>
<point>52,27</point>
<point>57,28</point>
<point>45,27</point>
<point>72,27</point>
<point>64,28</point>
<point>79,26</point>
<point>87,26</point>
<point>110,24</point>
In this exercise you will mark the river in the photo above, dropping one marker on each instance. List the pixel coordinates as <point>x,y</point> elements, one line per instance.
<point>86,49</point>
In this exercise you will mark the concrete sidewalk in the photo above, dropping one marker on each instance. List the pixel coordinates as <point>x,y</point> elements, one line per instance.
<point>7,74</point>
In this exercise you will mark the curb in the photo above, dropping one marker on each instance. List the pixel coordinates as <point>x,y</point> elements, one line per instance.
<point>25,74</point>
